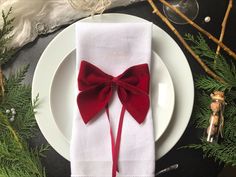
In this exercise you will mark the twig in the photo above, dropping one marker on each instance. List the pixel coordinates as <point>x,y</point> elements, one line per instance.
<point>2,90</point>
<point>210,36</point>
<point>223,25</point>
<point>196,57</point>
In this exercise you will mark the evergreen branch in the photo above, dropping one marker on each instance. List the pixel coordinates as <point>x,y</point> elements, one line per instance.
<point>13,157</point>
<point>12,131</point>
<point>208,84</point>
<point>231,96</point>
<point>20,96</point>
<point>221,66</point>
<point>201,119</point>
<point>18,160</point>
<point>16,79</point>
<point>7,27</point>
<point>5,53</point>
<point>225,150</point>
<point>16,157</point>
<point>42,149</point>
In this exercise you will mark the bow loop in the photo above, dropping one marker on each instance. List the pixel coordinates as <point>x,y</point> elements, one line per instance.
<point>96,90</point>
<point>132,80</point>
<point>91,76</point>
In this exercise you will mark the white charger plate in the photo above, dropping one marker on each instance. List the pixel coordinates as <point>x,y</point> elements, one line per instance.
<point>56,130</point>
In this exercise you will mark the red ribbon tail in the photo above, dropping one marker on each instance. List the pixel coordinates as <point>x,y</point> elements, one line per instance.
<point>118,139</point>
<point>111,134</point>
<point>115,146</point>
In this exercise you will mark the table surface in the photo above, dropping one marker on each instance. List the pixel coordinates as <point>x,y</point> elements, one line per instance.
<point>191,162</point>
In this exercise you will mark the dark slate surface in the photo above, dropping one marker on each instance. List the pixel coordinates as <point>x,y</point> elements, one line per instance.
<point>191,163</point>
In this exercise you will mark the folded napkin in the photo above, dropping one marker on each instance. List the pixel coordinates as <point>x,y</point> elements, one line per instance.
<point>112,133</point>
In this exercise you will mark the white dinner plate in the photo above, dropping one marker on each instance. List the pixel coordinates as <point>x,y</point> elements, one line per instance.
<point>54,116</point>
<point>61,99</point>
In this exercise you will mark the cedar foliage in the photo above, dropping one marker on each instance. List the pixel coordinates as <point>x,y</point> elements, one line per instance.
<point>225,150</point>
<point>17,158</point>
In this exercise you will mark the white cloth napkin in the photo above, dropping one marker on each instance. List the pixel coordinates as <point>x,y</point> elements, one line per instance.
<point>113,47</point>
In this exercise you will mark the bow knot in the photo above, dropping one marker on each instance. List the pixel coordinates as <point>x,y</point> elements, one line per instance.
<point>96,90</point>
<point>114,80</point>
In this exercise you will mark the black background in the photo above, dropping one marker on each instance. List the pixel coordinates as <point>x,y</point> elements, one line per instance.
<point>191,162</point>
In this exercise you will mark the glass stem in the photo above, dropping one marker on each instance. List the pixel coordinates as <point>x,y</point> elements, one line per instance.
<point>182,2</point>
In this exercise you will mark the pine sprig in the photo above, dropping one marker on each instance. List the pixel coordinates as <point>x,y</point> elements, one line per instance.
<point>16,158</point>
<point>225,151</point>
<point>15,79</point>
<point>209,84</point>
<point>216,62</point>
<point>19,96</point>
<point>5,37</point>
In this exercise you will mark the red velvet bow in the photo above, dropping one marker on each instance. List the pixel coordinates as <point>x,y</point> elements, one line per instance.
<point>96,90</point>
